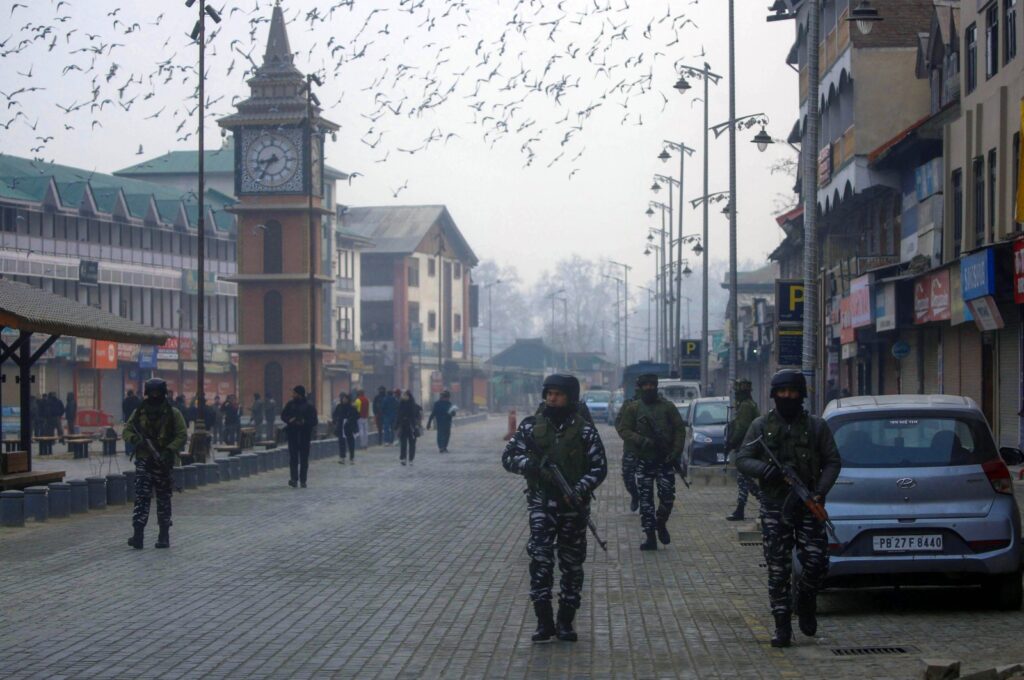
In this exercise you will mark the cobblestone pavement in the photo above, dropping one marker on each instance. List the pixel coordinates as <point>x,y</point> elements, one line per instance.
<point>385,571</point>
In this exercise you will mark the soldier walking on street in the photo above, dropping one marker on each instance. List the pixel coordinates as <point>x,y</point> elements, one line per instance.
<point>653,431</point>
<point>746,412</point>
<point>557,436</point>
<point>803,443</point>
<point>154,425</point>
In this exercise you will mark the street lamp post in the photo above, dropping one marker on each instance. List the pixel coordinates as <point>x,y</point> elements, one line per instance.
<point>651,296</point>
<point>618,322</point>
<point>314,235</point>
<point>658,274</point>
<point>552,297</point>
<point>683,151</point>
<point>666,309</point>
<point>625,297</point>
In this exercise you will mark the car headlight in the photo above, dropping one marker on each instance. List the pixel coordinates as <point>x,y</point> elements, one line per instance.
<point>701,438</point>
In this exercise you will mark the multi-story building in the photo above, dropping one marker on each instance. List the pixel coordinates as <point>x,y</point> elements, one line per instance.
<point>417,302</point>
<point>128,247</point>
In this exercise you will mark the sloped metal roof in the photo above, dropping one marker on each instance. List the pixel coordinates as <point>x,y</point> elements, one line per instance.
<point>401,229</point>
<point>31,309</point>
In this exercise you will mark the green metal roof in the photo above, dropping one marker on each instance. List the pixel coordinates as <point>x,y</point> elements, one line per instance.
<point>219,161</point>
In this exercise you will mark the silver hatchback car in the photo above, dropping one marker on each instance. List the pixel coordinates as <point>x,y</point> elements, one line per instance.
<point>924,498</point>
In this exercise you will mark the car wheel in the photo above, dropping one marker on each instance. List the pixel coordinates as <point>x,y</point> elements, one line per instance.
<point>1004,592</point>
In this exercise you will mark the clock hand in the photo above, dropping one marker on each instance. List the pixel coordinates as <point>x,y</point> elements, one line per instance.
<point>266,165</point>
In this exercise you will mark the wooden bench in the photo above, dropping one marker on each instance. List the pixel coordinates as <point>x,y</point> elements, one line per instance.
<point>46,445</point>
<point>109,445</point>
<point>79,445</point>
<point>230,449</point>
<point>20,480</point>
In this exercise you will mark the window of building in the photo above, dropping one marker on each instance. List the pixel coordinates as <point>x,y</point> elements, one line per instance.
<point>458,323</point>
<point>971,57</point>
<point>412,267</point>
<point>345,316</point>
<point>346,264</point>
<point>979,200</point>
<point>431,267</point>
<point>958,211</point>
<point>376,320</point>
<point>992,40</point>
<point>272,247</point>
<point>1010,30</point>
<point>431,321</point>
<point>273,326</point>
<point>993,208</point>
<point>376,271</point>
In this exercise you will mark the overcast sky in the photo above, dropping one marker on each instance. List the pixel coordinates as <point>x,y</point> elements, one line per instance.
<point>500,151</point>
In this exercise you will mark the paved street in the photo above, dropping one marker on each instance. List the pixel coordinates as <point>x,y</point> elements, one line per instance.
<point>385,571</point>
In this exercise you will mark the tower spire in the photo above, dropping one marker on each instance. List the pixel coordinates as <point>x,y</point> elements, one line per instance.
<point>279,51</point>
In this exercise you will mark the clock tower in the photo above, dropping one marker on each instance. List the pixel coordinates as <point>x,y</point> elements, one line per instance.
<point>279,140</point>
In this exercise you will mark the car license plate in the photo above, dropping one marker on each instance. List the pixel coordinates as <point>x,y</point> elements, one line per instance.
<point>913,543</point>
<point>720,457</point>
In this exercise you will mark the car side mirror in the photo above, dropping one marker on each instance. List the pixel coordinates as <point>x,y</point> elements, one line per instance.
<point>1011,455</point>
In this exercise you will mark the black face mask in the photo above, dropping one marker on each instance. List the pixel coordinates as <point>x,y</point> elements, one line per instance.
<point>789,409</point>
<point>557,413</point>
<point>649,396</point>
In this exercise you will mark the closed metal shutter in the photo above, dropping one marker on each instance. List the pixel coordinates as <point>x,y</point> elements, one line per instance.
<point>908,365</point>
<point>970,362</point>
<point>890,366</point>
<point>931,360</point>
<point>1008,379</point>
<point>951,360</point>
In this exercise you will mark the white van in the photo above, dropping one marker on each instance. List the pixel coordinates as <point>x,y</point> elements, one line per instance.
<point>679,391</point>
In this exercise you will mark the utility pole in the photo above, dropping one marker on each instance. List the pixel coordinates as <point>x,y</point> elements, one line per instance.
<point>733,280</point>
<point>810,198</point>
<point>625,268</point>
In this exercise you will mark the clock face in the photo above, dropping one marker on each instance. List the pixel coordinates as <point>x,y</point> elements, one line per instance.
<point>272,161</point>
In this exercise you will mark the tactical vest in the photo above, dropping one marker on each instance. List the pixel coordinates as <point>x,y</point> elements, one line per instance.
<point>658,412</point>
<point>565,448</point>
<point>798,449</point>
<point>158,427</point>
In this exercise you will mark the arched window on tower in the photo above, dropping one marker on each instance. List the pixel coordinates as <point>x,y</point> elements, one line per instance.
<point>273,382</point>
<point>272,322</point>
<point>272,248</point>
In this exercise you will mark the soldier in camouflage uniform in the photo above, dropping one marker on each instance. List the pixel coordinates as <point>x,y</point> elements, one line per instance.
<point>653,431</point>
<point>746,412</point>
<point>559,435</point>
<point>804,443</point>
<point>157,421</point>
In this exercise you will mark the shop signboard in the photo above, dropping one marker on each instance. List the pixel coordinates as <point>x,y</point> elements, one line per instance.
<point>932,297</point>
<point>127,352</point>
<point>848,351</point>
<point>104,355</point>
<point>690,350</point>
<point>791,346</point>
<point>900,349</point>
<point>885,307</point>
<point>978,275</point>
<point>147,357</point>
<point>986,313</point>
<point>789,296</point>
<point>846,332</point>
<point>169,350</point>
<point>958,311</point>
<point>860,302</point>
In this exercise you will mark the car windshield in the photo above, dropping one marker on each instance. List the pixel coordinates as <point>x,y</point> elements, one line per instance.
<point>913,441</point>
<point>711,413</point>
<point>598,396</point>
<point>679,393</point>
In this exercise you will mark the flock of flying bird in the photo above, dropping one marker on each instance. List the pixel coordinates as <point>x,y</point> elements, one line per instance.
<point>527,72</point>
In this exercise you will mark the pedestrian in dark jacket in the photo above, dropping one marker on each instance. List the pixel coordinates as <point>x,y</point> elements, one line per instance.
<point>408,424</point>
<point>389,412</point>
<point>231,419</point>
<point>128,406</point>
<point>179,403</point>
<point>345,421</point>
<point>299,418</point>
<point>377,408</point>
<point>71,413</point>
<point>442,413</point>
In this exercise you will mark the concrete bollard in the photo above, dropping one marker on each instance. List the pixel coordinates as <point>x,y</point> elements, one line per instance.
<point>178,475</point>
<point>264,460</point>
<point>224,468</point>
<point>37,505</point>
<point>117,489</point>
<point>252,462</point>
<point>235,467</point>
<point>97,492</point>
<point>200,474</point>
<point>244,467</point>
<point>79,496</point>
<point>60,499</point>
<point>282,458</point>
<point>188,472</point>
<point>129,485</point>
<point>212,473</point>
<point>12,508</point>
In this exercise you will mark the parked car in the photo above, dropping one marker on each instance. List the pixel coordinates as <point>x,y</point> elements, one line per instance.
<point>706,420</point>
<point>615,406</point>
<point>679,391</point>
<point>597,401</point>
<point>924,497</point>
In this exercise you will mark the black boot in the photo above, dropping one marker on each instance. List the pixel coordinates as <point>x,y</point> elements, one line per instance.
<point>737,515</point>
<point>783,631</point>
<point>807,613</point>
<point>545,621</point>
<point>564,626</point>
<point>663,534</point>
<point>634,502</point>
<point>651,543</point>
<point>164,539</point>
<point>136,540</point>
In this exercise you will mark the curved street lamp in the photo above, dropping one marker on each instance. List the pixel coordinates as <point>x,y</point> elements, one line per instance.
<point>865,16</point>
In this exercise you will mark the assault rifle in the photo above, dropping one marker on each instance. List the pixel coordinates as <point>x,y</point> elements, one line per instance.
<point>664,445</point>
<point>800,489</point>
<point>154,453</point>
<point>573,500</point>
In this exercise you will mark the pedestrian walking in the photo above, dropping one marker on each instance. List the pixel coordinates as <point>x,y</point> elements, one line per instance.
<point>804,444</point>
<point>230,420</point>
<point>218,421</point>
<point>443,412</point>
<point>377,408</point>
<point>256,415</point>
<point>736,432</point>
<point>35,408</point>
<point>363,406</point>
<point>130,402</point>
<point>270,413</point>
<point>389,413</point>
<point>558,435</point>
<point>410,416</point>
<point>299,418</point>
<point>653,431</point>
<point>345,421</point>
<point>71,413</point>
<point>157,432</point>
<point>57,411</point>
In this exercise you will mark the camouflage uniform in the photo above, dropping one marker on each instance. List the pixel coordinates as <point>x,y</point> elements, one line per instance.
<point>746,412</point>
<point>164,426</point>
<point>806,445</point>
<point>654,464</point>
<point>553,525</point>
